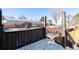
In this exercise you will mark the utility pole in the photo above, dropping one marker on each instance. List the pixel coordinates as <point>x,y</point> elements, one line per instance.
<point>64,28</point>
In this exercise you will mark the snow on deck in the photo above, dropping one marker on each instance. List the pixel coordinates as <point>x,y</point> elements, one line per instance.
<point>44,44</point>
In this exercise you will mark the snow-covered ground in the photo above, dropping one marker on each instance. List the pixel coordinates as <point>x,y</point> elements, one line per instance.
<point>44,44</point>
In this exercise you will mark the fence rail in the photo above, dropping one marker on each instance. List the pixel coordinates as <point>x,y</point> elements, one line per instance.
<point>69,40</point>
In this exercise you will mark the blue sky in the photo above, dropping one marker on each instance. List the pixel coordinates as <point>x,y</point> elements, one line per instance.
<point>34,13</point>
<point>31,13</point>
<point>72,11</point>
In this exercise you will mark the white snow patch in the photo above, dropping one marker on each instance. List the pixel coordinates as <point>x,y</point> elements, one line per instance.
<point>44,44</point>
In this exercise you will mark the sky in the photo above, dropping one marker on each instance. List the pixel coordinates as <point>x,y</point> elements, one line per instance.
<point>34,13</point>
<point>72,11</point>
<point>31,13</point>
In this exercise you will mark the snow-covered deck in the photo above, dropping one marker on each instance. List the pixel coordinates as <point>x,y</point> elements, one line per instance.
<point>45,44</point>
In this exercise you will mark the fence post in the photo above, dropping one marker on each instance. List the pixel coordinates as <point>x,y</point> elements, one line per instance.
<point>1,30</point>
<point>45,19</point>
<point>64,28</point>
<point>1,27</point>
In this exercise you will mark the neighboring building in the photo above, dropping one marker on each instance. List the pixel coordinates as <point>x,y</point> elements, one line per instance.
<point>51,22</point>
<point>59,22</point>
<point>4,21</point>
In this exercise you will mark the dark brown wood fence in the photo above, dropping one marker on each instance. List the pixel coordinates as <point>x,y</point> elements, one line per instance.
<point>16,39</point>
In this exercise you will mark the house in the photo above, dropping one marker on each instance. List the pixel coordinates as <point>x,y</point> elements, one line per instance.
<point>59,22</point>
<point>51,22</point>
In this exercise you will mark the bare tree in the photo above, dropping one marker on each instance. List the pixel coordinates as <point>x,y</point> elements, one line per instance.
<point>68,18</point>
<point>22,17</point>
<point>42,19</point>
<point>56,13</point>
<point>11,17</point>
<point>75,19</point>
<point>3,18</point>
